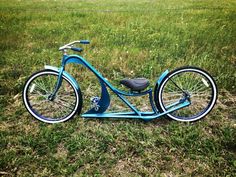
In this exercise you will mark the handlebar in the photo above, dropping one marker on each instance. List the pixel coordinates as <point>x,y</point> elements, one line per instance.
<point>84,42</point>
<point>69,45</point>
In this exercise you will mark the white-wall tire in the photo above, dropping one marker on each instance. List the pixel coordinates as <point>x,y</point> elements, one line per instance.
<point>159,93</point>
<point>77,94</point>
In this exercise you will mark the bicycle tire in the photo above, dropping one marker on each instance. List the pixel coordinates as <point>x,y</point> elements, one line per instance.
<point>189,78</point>
<point>35,97</point>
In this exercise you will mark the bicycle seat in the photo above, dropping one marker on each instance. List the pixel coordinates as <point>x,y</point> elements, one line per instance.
<point>137,84</point>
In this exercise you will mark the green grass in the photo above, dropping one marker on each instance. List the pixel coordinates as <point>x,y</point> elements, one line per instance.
<point>128,39</point>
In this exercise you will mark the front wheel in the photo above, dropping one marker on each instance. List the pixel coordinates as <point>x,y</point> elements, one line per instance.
<point>36,97</point>
<point>192,83</point>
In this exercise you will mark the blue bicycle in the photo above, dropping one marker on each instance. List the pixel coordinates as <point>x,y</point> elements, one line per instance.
<point>53,95</point>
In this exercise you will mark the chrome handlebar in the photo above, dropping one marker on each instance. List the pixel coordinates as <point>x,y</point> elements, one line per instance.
<point>70,45</point>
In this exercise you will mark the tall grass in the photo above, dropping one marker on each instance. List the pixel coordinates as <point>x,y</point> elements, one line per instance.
<point>128,39</point>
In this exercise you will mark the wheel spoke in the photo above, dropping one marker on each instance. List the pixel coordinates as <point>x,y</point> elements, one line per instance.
<point>60,107</point>
<point>193,82</point>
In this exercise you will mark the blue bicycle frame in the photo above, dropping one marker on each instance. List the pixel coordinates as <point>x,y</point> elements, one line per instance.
<point>104,102</point>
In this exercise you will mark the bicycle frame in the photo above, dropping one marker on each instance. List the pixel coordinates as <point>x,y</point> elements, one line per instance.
<point>104,102</point>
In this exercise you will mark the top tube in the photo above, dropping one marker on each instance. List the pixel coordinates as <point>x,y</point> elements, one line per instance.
<point>80,60</point>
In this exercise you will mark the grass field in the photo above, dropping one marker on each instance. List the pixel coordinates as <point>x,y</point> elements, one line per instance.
<point>129,38</point>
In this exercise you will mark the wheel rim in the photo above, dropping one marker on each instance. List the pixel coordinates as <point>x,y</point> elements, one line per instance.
<point>61,108</point>
<point>198,85</point>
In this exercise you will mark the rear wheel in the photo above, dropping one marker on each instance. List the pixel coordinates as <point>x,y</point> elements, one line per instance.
<point>192,81</point>
<point>37,90</point>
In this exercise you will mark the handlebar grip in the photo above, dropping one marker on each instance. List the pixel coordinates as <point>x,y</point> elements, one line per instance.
<point>76,49</point>
<point>84,42</point>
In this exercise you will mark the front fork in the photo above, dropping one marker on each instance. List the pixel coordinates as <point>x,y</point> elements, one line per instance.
<point>52,96</point>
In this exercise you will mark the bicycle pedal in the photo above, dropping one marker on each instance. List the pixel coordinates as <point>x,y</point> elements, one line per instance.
<point>94,103</point>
